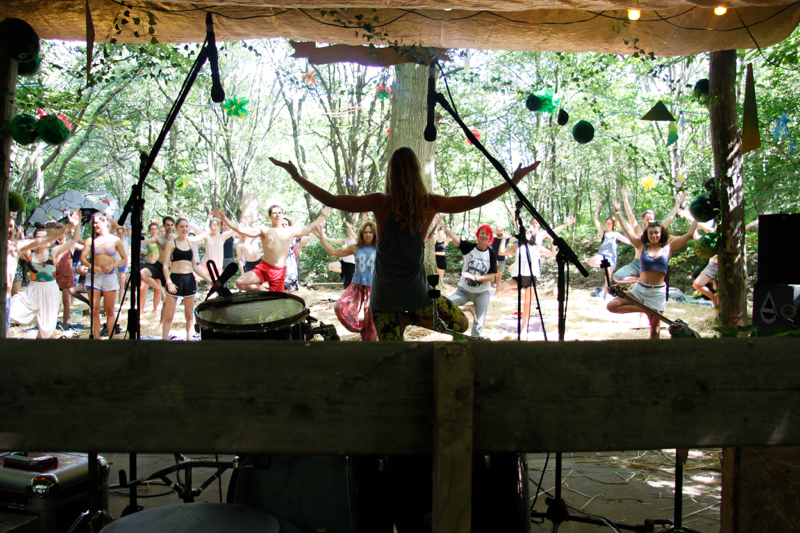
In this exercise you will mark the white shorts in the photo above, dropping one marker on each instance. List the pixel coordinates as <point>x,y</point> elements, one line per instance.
<point>653,296</point>
<point>39,300</point>
<point>103,282</point>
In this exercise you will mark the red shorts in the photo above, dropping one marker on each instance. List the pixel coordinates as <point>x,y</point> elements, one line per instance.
<point>268,273</point>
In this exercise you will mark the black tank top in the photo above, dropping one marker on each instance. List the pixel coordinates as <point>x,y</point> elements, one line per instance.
<point>182,255</point>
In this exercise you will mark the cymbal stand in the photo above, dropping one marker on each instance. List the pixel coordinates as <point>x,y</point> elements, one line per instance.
<point>677,521</point>
<point>94,519</point>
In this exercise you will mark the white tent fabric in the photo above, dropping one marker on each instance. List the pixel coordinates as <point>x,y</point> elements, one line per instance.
<point>666,27</point>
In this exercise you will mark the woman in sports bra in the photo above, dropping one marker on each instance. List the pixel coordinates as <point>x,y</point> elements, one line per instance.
<point>608,245</point>
<point>179,269</point>
<point>41,297</point>
<point>103,281</point>
<point>656,247</point>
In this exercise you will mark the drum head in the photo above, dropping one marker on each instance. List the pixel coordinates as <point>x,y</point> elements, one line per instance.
<point>251,312</point>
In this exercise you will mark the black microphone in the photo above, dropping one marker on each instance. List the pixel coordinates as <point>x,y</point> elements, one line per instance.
<point>217,92</point>
<point>430,128</point>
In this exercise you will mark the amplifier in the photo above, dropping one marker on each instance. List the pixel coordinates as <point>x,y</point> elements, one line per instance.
<point>776,305</point>
<point>775,265</point>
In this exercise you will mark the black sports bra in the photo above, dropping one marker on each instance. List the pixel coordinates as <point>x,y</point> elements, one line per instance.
<point>181,255</point>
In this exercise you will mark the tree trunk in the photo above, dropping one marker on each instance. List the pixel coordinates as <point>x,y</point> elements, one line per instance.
<point>8,83</point>
<point>409,107</point>
<point>726,145</point>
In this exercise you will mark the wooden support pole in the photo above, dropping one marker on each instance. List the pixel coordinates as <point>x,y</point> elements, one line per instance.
<point>453,371</point>
<point>8,84</point>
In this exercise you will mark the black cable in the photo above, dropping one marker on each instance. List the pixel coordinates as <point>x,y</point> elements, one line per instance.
<point>760,51</point>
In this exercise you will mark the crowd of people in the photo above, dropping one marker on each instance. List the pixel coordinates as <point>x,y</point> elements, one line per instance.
<point>381,262</point>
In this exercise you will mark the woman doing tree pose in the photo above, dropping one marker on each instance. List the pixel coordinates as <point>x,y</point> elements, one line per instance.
<point>65,274</point>
<point>529,271</point>
<point>655,246</point>
<point>354,301</point>
<point>179,266</point>
<point>103,281</point>
<point>399,295</point>
<point>608,245</point>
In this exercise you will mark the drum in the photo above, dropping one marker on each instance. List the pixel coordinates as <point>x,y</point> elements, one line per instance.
<point>252,316</point>
<point>197,518</point>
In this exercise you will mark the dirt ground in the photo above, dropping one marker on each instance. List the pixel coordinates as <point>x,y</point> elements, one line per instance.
<point>587,318</point>
<point>624,487</point>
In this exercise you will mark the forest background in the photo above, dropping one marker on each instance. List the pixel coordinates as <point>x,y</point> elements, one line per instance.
<point>334,122</point>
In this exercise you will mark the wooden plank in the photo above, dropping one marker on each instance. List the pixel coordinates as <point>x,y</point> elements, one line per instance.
<point>375,398</point>
<point>453,369</point>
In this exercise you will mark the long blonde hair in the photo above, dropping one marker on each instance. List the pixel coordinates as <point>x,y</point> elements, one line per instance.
<point>410,197</point>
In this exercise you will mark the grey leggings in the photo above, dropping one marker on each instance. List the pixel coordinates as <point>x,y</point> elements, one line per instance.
<point>481,299</point>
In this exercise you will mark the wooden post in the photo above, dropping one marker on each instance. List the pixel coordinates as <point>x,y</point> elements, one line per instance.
<point>453,377</point>
<point>8,83</point>
<point>726,143</point>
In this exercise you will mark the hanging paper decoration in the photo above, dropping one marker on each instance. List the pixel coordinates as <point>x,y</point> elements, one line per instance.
<point>782,131</point>
<point>351,186</point>
<point>52,130</point>
<point>659,112</point>
<point>678,181</point>
<point>649,182</point>
<point>543,101</point>
<point>683,117</point>
<point>583,132</point>
<point>673,133</point>
<point>751,137</point>
<point>388,131</point>
<point>15,201</point>
<point>236,107</point>
<point>42,113</point>
<point>310,77</point>
<point>23,129</point>
<point>563,117</point>
<point>182,183</point>
<point>477,135</point>
<point>384,92</point>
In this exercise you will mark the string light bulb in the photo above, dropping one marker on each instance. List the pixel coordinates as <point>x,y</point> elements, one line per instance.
<point>720,10</point>
<point>634,14</point>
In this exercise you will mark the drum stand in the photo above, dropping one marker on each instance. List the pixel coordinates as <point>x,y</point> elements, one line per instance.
<point>94,519</point>
<point>184,490</point>
<point>677,521</point>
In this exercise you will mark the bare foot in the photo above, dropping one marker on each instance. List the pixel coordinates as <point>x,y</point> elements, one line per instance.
<point>470,307</point>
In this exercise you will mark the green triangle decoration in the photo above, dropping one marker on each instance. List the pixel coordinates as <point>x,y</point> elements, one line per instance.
<point>751,138</point>
<point>673,133</point>
<point>659,113</point>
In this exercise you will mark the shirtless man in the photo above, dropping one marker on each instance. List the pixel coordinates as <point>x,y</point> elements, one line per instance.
<point>17,246</point>
<point>630,272</point>
<point>275,242</point>
<point>153,274</point>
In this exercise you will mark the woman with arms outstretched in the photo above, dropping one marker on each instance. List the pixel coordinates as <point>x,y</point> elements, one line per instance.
<point>656,247</point>
<point>403,212</point>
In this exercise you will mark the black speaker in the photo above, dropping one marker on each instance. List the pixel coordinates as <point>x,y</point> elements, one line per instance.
<point>776,305</point>
<point>775,265</point>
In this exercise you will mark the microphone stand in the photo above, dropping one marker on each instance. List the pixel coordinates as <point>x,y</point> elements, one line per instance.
<point>135,207</point>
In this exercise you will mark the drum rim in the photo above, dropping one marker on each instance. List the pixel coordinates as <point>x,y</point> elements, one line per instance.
<point>249,328</point>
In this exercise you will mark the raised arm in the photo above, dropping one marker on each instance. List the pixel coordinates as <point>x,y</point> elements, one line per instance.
<point>671,215</point>
<point>597,224</point>
<point>459,204</point>
<point>73,219</point>
<point>629,213</point>
<point>74,238</point>
<point>455,239</point>
<point>570,220</point>
<point>431,233</point>
<point>634,240</point>
<point>342,202</point>
<point>336,252</point>
<point>681,241</point>
<point>503,250</point>
<point>245,231</point>
<point>306,230</point>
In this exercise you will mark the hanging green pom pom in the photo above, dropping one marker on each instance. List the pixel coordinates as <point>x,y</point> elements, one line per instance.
<point>15,201</point>
<point>563,117</point>
<point>18,40</point>
<point>707,246</point>
<point>52,130</point>
<point>583,132</point>
<point>533,103</point>
<point>702,210</point>
<point>182,183</point>
<point>23,129</point>
<point>30,68</point>
<point>701,88</point>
